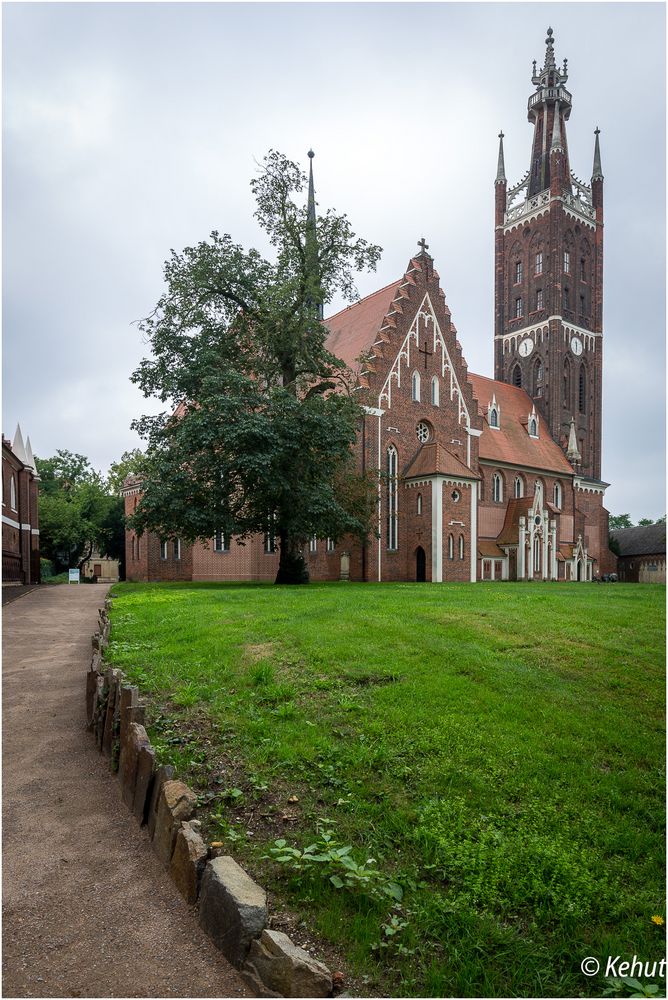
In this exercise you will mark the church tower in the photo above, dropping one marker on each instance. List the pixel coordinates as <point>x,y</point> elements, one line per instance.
<point>548,285</point>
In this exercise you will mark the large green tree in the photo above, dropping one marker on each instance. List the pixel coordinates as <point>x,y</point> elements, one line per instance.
<point>77,513</point>
<point>262,438</point>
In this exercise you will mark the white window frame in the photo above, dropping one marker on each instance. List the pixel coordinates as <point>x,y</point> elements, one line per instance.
<point>435,391</point>
<point>392,499</point>
<point>419,503</point>
<point>415,387</point>
<point>177,549</point>
<point>539,262</point>
<point>221,542</point>
<point>330,546</point>
<point>519,487</point>
<point>557,495</point>
<point>12,493</point>
<point>494,418</point>
<point>163,551</point>
<point>497,488</point>
<point>451,547</point>
<point>461,547</point>
<point>533,428</point>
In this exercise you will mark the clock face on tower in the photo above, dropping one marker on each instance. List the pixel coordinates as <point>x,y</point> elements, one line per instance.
<point>526,347</point>
<point>576,346</point>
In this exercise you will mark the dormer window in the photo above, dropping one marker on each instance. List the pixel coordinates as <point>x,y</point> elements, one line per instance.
<point>415,387</point>
<point>533,428</point>
<point>494,417</point>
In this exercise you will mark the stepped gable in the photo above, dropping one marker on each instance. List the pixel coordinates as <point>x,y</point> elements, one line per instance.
<point>510,442</point>
<point>434,460</point>
<point>352,331</point>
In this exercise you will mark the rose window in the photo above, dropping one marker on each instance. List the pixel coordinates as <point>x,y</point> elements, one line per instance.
<point>422,431</point>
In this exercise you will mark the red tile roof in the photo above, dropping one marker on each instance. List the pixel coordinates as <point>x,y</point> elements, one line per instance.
<point>489,550</point>
<point>517,507</point>
<point>511,442</point>
<point>435,460</point>
<point>353,329</point>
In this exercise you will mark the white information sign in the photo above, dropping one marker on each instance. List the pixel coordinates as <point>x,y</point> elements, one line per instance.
<point>74,576</point>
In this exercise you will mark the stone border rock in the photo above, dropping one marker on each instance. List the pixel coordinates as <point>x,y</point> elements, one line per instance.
<point>232,907</point>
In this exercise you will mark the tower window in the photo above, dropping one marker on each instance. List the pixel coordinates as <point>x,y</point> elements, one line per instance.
<point>567,298</point>
<point>582,390</point>
<point>518,272</point>
<point>567,383</point>
<point>497,488</point>
<point>518,308</point>
<point>583,270</point>
<point>517,376</point>
<point>582,305</point>
<point>567,262</point>
<point>538,378</point>
<point>415,387</point>
<point>539,263</point>
<point>539,299</point>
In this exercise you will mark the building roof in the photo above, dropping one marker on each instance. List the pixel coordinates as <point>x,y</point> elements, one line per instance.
<point>353,330</point>
<point>489,550</point>
<point>645,540</point>
<point>510,442</point>
<point>434,460</point>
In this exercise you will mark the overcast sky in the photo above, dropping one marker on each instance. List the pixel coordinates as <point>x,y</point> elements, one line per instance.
<point>129,129</point>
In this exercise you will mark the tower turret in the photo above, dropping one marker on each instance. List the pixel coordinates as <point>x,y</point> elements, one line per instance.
<point>311,234</point>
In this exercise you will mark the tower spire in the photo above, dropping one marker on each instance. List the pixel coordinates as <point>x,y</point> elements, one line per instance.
<point>573,452</point>
<point>311,241</point>
<point>598,173</point>
<point>501,166</point>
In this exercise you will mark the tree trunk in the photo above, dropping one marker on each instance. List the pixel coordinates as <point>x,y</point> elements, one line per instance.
<point>291,568</point>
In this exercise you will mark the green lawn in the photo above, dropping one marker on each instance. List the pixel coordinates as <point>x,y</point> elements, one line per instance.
<point>497,749</point>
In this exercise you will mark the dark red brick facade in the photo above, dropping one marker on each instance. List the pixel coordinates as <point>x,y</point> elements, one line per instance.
<point>20,516</point>
<point>477,478</point>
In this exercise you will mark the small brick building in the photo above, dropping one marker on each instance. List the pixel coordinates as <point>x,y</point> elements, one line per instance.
<point>480,478</point>
<point>642,553</point>
<point>20,517</point>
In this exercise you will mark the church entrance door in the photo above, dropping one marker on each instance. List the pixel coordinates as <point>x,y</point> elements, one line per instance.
<point>420,565</point>
<point>579,576</point>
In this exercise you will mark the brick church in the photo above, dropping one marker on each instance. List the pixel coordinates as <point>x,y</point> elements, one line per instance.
<point>482,479</point>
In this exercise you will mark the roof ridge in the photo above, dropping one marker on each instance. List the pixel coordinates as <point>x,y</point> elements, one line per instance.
<point>358,302</point>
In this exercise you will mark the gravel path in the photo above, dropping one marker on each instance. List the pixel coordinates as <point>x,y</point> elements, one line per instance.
<point>88,911</point>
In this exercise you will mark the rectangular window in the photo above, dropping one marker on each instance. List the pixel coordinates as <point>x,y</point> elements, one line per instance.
<point>330,545</point>
<point>567,262</point>
<point>539,299</point>
<point>269,538</point>
<point>177,548</point>
<point>583,270</point>
<point>221,542</point>
<point>518,308</point>
<point>582,305</point>
<point>539,263</point>
<point>313,545</point>
<point>163,550</point>
<point>518,273</point>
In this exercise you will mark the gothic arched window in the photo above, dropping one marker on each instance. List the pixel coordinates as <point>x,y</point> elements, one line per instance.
<point>435,392</point>
<point>557,495</point>
<point>415,393</point>
<point>567,383</point>
<point>419,503</point>
<point>451,547</point>
<point>582,390</point>
<point>12,493</point>
<point>493,417</point>
<point>497,488</point>
<point>538,378</point>
<point>461,546</point>
<point>517,376</point>
<point>519,487</point>
<point>533,428</point>
<point>392,492</point>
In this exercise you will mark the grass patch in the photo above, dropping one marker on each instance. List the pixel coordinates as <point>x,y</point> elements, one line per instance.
<point>495,751</point>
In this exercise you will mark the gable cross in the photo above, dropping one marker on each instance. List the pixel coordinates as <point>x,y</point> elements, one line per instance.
<point>423,243</point>
<point>426,354</point>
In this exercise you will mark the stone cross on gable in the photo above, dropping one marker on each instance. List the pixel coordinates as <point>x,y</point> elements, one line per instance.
<point>426,354</point>
<point>423,244</point>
